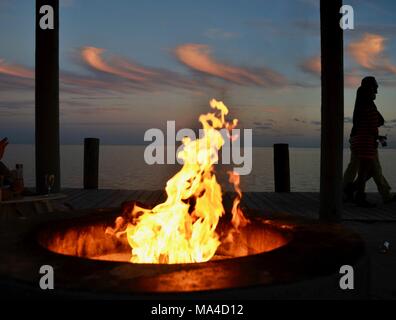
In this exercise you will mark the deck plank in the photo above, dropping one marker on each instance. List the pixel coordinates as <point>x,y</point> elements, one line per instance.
<point>124,196</point>
<point>105,201</point>
<point>266,203</point>
<point>155,198</point>
<point>299,203</point>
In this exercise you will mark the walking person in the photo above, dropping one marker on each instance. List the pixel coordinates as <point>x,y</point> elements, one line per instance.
<point>364,147</point>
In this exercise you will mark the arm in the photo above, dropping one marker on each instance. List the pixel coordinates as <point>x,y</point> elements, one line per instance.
<point>381,120</point>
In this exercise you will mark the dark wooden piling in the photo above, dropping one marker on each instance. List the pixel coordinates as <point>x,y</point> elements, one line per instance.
<point>47,98</point>
<point>281,167</point>
<point>91,163</point>
<point>332,135</point>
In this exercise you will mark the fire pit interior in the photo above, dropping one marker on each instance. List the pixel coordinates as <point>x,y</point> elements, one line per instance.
<point>88,239</point>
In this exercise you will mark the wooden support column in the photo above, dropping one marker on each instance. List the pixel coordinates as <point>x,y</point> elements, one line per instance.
<point>91,163</point>
<point>47,93</point>
<point>281,167</point>
<point>332,135</point>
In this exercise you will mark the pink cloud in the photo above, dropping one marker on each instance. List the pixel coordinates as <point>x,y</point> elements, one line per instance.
<point>17,76</point>
<point>368,52</point>
<point>118,74</point>
<point>126,76</point>
<point>352,79</point>
<point>140,77</point>
<point>198,58</point>
<point>15,70</point>
<point>93,57</point>
<point>312,65</point>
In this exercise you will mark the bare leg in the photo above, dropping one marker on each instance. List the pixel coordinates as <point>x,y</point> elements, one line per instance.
<point>365,173</point>
<point>382,185</point>
<point>349,177</point>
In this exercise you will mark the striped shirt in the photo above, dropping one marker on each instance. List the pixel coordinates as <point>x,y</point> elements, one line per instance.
<point>364,133</point>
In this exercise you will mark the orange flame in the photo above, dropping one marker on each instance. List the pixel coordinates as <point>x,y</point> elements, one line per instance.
<point>183,228</point>
<point>238,218</point>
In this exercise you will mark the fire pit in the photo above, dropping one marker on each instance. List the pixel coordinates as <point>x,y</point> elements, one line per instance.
<point>88,239</point>
<point>188,246</point>
<point>304,262</point>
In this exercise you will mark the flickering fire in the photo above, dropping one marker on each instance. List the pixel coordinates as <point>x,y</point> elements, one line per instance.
<point>183,228</point>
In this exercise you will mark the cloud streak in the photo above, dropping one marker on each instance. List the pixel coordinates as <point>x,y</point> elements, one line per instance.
<point>14,76</point>
<point>312,65</point>
<point>368,52</point>
<point>137,76</point>
<point>93,58</point>
<point>111,73</point>
<point>198,58</point>
<point>15,70</point>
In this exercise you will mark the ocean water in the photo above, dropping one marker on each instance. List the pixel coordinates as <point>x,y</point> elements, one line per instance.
<point>123,167</point>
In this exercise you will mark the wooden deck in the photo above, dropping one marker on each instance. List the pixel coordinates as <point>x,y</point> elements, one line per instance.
<point>299,203</point>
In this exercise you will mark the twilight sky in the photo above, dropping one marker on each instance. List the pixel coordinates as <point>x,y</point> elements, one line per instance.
<point>127,66</point>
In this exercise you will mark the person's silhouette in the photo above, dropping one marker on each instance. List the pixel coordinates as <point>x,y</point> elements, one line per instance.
<point>364,147</point>
<point>7,177</point>
<point>4,172</point>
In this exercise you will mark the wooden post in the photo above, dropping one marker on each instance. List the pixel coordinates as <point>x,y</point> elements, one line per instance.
<point>47,94</point>
<point>281,167</point>
<point>91,163</point>
<point>332,135</point>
